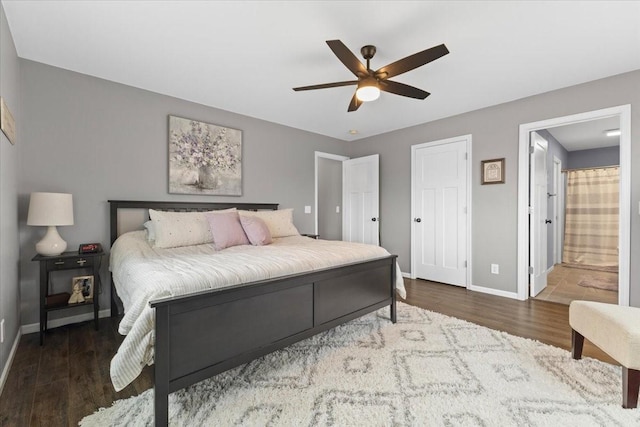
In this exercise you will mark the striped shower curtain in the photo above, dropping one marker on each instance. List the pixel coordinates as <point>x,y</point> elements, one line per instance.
<point>591,217</point>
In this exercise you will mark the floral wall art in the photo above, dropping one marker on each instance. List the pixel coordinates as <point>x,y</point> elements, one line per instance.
<point>204,158</point>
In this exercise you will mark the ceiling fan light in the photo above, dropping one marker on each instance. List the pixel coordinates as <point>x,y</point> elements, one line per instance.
<point>368,93</point>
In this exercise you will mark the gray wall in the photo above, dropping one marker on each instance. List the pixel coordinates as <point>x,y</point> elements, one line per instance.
<point>495,134</point>
<point>557,150</point>
<point>101,140</point>
<point>596,157</point>
<point>329,196</point>
<point>9,248</point>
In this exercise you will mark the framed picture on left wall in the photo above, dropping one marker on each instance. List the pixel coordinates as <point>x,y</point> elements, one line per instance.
<point>7,123</point>
<point>204,158</point>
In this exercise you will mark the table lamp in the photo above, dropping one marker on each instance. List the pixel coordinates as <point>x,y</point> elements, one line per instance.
<point>51,210</point>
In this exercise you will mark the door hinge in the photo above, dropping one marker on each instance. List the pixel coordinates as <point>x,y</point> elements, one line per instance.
<point>530,210</point>
<point>466,156</point>
<point>530,270</point>
<point>531,149</point>
<point>465,264</point>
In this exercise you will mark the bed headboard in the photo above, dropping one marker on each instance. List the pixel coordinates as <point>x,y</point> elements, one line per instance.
<point>142,208</point>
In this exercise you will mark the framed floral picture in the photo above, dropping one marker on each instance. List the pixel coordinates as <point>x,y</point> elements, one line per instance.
<point>493,171</point>
<point>204,158</point>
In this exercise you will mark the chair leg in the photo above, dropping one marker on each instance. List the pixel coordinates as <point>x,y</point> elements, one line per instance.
<point>630,386</point>
<point>577,342</point>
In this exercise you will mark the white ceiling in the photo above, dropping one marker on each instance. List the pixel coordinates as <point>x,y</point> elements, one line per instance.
<point>246,56</point>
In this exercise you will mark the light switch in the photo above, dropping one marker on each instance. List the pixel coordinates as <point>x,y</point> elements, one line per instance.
<point>337,209</point>
<point>307,209</point>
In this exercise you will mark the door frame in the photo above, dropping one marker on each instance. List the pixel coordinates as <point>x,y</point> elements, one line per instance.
<point>316,156</point>
<point>623,112</point>
<point>558,211</point>
<point>467,139</point>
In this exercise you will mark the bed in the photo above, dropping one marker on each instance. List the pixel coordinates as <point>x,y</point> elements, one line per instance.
<point>195,333</point>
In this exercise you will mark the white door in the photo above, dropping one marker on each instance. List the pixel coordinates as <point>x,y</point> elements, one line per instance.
<point>538,216</point>
<point>440,212</point>
<point>360,221</point>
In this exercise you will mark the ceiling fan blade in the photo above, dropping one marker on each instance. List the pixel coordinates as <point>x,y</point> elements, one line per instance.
<point>326,85</point>
<point>354,104</point>
<point>413,61</point>
<point>347,57</point>
<point>402,89</point>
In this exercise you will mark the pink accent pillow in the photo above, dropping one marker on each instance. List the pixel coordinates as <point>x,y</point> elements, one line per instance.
<point>226,229</point>
<point>256,230</point>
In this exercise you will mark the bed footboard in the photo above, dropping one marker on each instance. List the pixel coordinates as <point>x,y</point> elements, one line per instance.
<point>204,334</point>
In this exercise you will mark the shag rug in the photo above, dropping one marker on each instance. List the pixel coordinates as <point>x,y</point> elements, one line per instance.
<point>606,283</point>
<point>428,369</point>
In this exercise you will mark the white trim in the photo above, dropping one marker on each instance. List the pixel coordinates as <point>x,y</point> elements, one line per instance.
<point>407,275</point>
<point>7,366</point>
<point>624,113</point>
<point>550,269</point>
<point>492,291</point>
<point>317,155</point>
<point>35,327</point>
<point>468,139</point>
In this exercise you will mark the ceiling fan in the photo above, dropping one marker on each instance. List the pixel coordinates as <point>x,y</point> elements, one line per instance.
<point>370,82</point>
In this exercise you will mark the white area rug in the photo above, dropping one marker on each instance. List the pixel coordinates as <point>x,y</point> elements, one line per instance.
<point>428,369</point>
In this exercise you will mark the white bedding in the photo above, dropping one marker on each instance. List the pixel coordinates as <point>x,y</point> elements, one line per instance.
<point>142,274</point>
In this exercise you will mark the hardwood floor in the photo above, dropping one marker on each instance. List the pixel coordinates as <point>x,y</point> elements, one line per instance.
<point>68,378</point>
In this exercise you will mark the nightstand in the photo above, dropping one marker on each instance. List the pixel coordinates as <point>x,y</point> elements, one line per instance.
<point>67,261</point>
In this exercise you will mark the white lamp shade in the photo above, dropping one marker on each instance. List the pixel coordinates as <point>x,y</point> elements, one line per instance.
<point>50,209</point>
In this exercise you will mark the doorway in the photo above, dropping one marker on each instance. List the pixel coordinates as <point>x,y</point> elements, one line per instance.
<point>621,115</point>
<point>328,197</point>
<point>347,198</point>
<point>441,211</point>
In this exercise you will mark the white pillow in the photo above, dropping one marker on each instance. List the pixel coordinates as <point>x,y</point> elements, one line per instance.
<point>280,222</point>
<point>173,229</point>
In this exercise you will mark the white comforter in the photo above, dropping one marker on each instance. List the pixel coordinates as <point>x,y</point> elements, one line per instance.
<point>142,274</point>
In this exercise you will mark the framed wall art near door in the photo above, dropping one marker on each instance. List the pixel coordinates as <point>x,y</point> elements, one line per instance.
<point>493,171</point>
<point>204,158</point>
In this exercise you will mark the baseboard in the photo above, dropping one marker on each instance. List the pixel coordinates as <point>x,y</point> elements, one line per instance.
<point>406,275</point>
<point>550,269</point>
<point>35,327</point>
<point>7,366</point>
<point>497,292</point>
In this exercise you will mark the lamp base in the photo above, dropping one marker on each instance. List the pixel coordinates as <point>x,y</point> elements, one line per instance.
<point>51,244</point>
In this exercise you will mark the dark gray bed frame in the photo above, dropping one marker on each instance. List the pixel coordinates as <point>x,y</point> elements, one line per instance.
<point>203,334</point>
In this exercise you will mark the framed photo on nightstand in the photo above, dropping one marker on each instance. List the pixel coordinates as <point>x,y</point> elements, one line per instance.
<point>85,284</point>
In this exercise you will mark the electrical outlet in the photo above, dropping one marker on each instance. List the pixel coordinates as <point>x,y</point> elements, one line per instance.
<point>2,331</point>
<point>307,209</point>
<point>495,269</point>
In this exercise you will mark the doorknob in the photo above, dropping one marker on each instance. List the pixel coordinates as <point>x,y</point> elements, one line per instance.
<point>375,219</point>
<point>547,221</point>
<point>417,219</point>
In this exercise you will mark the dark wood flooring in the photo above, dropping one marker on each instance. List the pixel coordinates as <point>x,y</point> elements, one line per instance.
<point>68,378</point>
